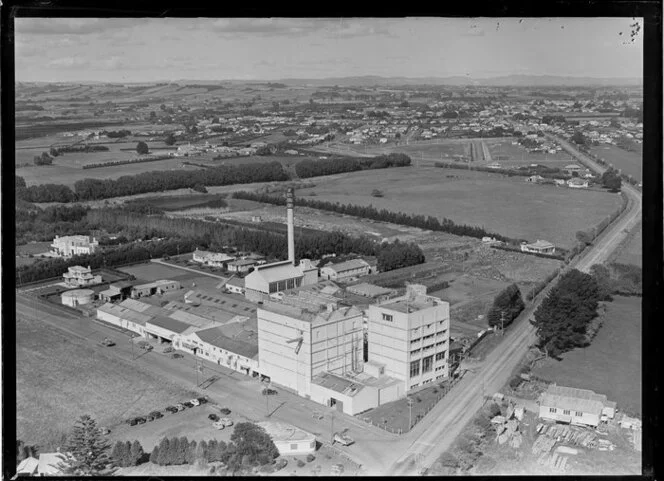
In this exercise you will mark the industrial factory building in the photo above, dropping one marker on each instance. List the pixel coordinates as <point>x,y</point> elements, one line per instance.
<point>409,336</point>
<point>72,245</point>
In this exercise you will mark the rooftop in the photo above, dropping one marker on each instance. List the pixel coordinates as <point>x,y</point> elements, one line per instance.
<point>216,337</point>
<point>124,313</point>
<point>277,271</point>
<point>413,304</point>
<point>348,265</point>
<point>541,244</point>
<point>369,290</point>
<point>170,324</point>
<point>225,302</point>
<point>338,383</point>
<point>285,432</point>
<point>575,399</point>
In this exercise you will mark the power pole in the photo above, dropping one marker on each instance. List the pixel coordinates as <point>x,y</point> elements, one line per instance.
<point>131,340</point>
<point>332,427</point>
<point>410,413</point>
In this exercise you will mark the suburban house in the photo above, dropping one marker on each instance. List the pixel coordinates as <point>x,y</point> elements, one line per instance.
<point>79,276</point>
<point>535,178</point>
<point>572,168</point>
<point>577,183</point>
<point>68,246</point>
<point>235,285</point>
<point>215,259</point>
<point>344,270</point>
<point>289,439</point>
<point>539,247</point>
<point>575,406</point>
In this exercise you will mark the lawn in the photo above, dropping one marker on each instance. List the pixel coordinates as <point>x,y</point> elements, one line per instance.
<point>629,162</point>
<point>59,378</point>
<point>151,271</point>
<point>632,252</point>
<point>611,365</point>
<point>508,206</point>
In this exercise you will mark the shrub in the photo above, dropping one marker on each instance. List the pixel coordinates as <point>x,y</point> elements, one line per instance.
<point>280,464</point>
<point>300,463</point>
<point>310,458</point>
<point>515,382</point>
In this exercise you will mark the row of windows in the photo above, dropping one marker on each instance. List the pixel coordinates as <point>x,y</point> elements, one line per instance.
<point>440,356</point>
<point>440,368</point>
<point>285,284</point>
<point>388,317</point>
<point>566,412</point>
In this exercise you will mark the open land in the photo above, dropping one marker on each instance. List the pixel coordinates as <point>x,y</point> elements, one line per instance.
<point>629,162</point>
<point>518,155</point>
<point>59,378</point>
<point>149,272</point>
<point>475,198</point>
<point>632,251</point>
<point>599,367</point>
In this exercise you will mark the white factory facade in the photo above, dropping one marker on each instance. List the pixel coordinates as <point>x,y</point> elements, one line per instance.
<point>72,245</point>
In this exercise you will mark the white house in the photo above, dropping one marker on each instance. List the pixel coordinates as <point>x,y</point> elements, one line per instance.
<point>68,246</point>
<point>343,270</point>
<point>575,406</point>
<point>577,183</point>
<point>79,276</point>
<point>539,247</point>
<point>289,439</point>
<point>235,285</point>
<point>215,259</point>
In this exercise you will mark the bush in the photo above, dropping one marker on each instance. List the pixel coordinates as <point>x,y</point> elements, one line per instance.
<point>280,464</point>
<point>142,148</point>
<point>310,458</point>
<point>300,463</point>
<point>515,382</point>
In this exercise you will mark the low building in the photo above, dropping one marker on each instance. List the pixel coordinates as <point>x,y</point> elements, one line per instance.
<point>79,276</point>
<point>78,297</point>
<point>575,406</point>
<point>539,247</point>
<point>235,285</point>
<point>214,259</point>
<point>289,439</point>
<point>535,179</point>
<point>118,291</point>
<point>156,287</point>
<point>27,467</point>
<point>345,270</point>
<point>72,245</point>
<point>123,316</point>
<point>241,265</point>
<point>577,183</point>
<point>271,278</point>
<point>572,168</point>
<point>371,291</point>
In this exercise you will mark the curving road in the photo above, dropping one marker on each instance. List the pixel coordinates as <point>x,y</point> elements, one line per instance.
<point>434,435</point>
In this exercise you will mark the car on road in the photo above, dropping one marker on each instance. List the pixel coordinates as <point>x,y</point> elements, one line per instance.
<point>225,411</point>
<point>213,417</point>
<point>342,439</point>
<point>107,342</point>
<point>269,392</point>
<point>188,404</point>
<point>168,349</point>
<point>195,402</point>
<point>202,400</point>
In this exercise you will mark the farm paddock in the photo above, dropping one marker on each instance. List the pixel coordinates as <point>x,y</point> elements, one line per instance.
<point>629,162</point>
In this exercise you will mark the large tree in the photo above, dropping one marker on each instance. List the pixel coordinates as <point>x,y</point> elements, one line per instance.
<point>563,317</point>
<point>507,305</point>
<point>253,446</point>
<point>142,148</point>
<point>86,452</point>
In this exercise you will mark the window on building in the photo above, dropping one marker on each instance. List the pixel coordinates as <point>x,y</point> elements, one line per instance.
<point>414,351</point>
<point>413,341</point>
<point>414,386</point>
<point>387,317</point>
<point>293,447</point>
<point>566,412</point>
<point>273,287</point>
<point>427,364</point>
<point>579,414</point>
<point>440,356</point>
<point>290,283</point>
<point>552,410</point>
<point>414,368</point>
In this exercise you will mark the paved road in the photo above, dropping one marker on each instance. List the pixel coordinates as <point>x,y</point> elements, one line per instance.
<point>432,436</point>
<point>232,389</point>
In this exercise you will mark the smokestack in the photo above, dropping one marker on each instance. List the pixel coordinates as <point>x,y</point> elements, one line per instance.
<point>291,226</point>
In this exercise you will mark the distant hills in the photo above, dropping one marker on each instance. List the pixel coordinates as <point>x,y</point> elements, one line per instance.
<point>375,80</point>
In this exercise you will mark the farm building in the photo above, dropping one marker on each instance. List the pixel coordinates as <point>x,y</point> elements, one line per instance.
<point>78,276</point>
<point>344,270</point>
<point>156,287</point>
<point>235,285</point>
<point>78,297</point>
<point>241,265</point>
<point>539,247</point>
<point>118,291</point>
<point>72,245</point>
<point>577,183</point>
<point>215,259</point>
<point>409,336</point>
<point>277,277</point>
<point>288,439</point>
<point>575,406</point>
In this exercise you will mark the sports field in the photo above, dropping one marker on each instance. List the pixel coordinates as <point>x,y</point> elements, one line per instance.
<point>629,162</point>
<point>611,365</point>
<point>59,378</point>
<point>508,206</point>
<point>507,154</point>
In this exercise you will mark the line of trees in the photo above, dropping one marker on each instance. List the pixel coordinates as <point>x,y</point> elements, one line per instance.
<point>111,163</point>
<point>506,307</point>
<point>126,453</point>
<point>563,317</point>
<point>55,151</point>
<point>383,215</point>
<point>524,171</point>
<point>43,159</point>
<point>35,224</point>
<point>398,255</point>
<point>313,168</point>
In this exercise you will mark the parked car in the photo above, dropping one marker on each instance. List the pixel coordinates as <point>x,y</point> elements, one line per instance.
<point>188,404</point>
<point>213,417</point>
<point>171,409</point>
<point>150,418</point>
<point>176,355</point>
<point>202,400</point>
<point>180,406</point>
<point>107,342</point>
<point>140,420</point>
<point>195,402</point>
<point>131,421</point>
<point>269,392</point>
<point>219,425</point>
<point>168,349</point>
<point>225,411</point>
<point>342,439</point>
<point>228,422</point>
<point>156,414</point>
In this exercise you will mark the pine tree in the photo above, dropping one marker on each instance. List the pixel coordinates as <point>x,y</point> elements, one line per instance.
<point>190,458</point>
<point>136,453</point>
<point>183,445</point>
<point>212,451</point>
<point>154,455</point>
<point>173,449</point>
<point>163,458</point>
<point>127,454</point>
<point>118,454</point>
<point>86,451</point>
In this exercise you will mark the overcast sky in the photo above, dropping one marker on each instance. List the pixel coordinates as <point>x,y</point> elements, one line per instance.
<point>140,50</point>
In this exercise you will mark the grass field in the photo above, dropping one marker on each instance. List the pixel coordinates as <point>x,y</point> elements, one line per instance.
<point>442,151</point>
<point>629,162</point>
<point>519,155</point>
<point>504,205</point>
<point>59,378</point>
<point>149,272</point>
<point>611,365</point>
<point>632,252</point>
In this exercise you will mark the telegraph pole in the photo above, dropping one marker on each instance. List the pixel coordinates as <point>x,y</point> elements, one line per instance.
<point>131,340</point>
<point>410,413</point>
<point>332,427</point>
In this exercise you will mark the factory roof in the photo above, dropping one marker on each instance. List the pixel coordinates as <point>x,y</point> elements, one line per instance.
<point>412,304</point>
<point>575,399</point>
<point>285,432</point>
<point>369,290</point>
<point>226,302</point>
<point>304,314</point>
<point>205,311</point>
<point>338,383</point>
<point>160,282</point>
<point>347,265</point>
<point>125,313</point>
<point>169,324</point>
<point>215,336</point>
<point>277,271</point>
